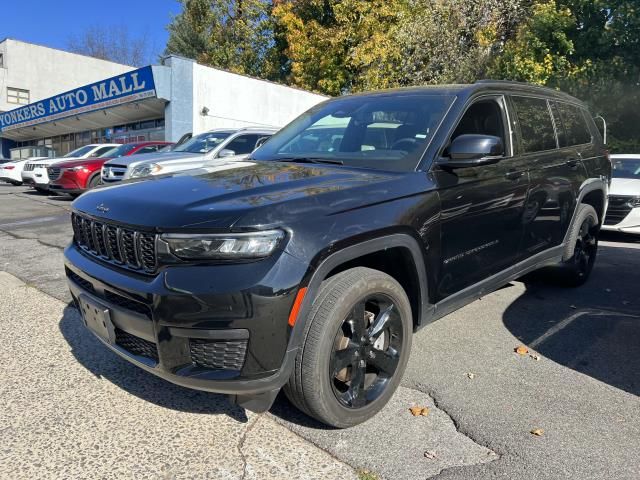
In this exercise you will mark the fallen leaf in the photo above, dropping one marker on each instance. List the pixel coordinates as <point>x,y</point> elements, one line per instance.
<point>573,306</point>
<point>430,454</point>
<point>417,411</point>
<point>471,375</point>
<point>535,357</point>
<point>521,350</point>
<point>538,432</point>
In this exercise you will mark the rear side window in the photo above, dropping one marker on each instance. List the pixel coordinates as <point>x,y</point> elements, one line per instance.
<point>243,144</point>
<point>536,127</point>
<point>575,124</point>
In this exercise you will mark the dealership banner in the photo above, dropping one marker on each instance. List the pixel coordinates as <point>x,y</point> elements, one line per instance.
<point>125,88</point>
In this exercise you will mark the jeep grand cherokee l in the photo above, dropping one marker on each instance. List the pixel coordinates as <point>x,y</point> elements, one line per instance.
<point>365,219</point>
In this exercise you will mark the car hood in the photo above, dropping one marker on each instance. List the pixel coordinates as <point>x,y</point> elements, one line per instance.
<point>51,161</point>
<point>264,194</point>
<point>151,157</point>
<point>79,162</point>
<point>625,186</point>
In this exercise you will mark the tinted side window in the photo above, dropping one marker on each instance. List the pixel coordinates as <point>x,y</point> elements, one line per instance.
<point>149,149</point>
<point>536,128</point>
<point>575,124</point>
<point>243,144</point>
<point>100,151</point>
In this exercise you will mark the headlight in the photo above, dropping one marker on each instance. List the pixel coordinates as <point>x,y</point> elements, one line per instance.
<point>224,246</point>
<point>145,170</point>
<point>634,202</point>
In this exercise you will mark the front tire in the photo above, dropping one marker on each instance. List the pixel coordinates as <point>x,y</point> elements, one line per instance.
<point>356,346</point>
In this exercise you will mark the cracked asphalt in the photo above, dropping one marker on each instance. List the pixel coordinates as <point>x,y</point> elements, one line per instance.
<point>71,409</point>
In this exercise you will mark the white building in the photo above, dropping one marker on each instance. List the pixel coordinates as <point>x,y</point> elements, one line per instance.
<point>64,101</point>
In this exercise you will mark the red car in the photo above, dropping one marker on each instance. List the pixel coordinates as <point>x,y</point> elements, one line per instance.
<point>76,176</point>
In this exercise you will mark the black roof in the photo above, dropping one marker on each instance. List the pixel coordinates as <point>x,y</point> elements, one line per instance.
<point>490,86</point>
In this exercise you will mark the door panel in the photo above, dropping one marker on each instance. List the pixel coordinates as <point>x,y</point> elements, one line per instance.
<point>481,222</point>
<point>481,207</point>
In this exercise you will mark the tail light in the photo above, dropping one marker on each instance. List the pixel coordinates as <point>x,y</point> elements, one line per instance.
<point>9,167</point>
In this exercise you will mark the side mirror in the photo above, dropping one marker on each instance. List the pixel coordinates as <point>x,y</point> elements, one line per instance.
<point>260,142</point>
<point>225,152</point>
<point>472,150</point>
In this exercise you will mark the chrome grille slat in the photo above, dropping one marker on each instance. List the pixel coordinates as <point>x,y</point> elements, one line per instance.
<point>125,247</point>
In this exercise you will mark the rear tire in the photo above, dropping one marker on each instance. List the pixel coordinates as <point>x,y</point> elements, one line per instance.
<point>581,248</point>
<point>356,346</point>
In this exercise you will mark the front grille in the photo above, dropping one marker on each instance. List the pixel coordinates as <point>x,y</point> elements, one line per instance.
<point>28,167</point>
<point>619,208</point>
<point>113,173</point>
<point>218,354</point>
<point>127,248</point>
<point>127,303</point>
<point>136,345</point>
<point>54,172</point>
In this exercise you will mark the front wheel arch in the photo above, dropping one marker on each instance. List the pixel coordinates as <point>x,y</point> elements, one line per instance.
<point>346,256</point>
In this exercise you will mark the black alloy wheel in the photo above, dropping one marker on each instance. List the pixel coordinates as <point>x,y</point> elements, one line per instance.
<point>366,351</point>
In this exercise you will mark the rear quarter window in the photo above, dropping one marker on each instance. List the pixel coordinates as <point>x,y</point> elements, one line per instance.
<point>575,124</point>
<point>535,124</point>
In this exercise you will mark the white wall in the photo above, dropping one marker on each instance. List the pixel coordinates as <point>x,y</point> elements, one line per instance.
<point>238,101</point>
<point>46,71</point>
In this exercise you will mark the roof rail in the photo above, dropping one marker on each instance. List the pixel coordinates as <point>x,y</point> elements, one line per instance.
<point>510,82</point>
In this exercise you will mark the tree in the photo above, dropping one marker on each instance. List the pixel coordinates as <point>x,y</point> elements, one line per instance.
<point>452,41</point>
<point>112,43</point>
<point>337,46</point>
<point>588,48</point>
<point>232,34</point>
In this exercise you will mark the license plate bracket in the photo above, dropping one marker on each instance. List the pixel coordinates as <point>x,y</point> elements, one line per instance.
<point>97,318</point>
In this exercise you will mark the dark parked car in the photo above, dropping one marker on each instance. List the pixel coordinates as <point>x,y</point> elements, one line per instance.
<point>310,265</point>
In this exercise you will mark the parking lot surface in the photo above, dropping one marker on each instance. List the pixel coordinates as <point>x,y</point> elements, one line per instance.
<point>72,409</point>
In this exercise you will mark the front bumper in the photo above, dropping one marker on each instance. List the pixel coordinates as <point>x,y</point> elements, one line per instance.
<point>216,328</point>
<point>630,223</point>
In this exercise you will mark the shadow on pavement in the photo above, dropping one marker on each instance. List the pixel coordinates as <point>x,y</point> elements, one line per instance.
<point>103,363</point>
<point>593,329</point>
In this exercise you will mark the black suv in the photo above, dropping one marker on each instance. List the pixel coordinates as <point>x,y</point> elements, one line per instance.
<point>310,265</point>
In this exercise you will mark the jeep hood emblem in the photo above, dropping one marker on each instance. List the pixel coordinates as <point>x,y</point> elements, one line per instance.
<point>102,208</point>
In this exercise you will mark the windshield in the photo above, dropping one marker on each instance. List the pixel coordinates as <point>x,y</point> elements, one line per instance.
<point>203,143</point>
<point>384,132</point>
<point>79,152</point>
<point>117,152</point>
<point>626,168</point>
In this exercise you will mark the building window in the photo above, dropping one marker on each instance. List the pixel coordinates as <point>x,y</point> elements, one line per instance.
<point>1,60</point>
<point>17,95</point>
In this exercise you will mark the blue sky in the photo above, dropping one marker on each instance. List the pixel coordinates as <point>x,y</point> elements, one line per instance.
<point>52,22</point>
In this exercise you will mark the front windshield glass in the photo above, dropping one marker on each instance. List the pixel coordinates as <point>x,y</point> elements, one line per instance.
<point>117,152</point>
<point>626,168</point>
<point>384,132</point>
<point>203,143</point>
<point>79,152</point>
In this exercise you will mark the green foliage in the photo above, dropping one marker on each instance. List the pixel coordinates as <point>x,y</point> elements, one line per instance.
<point>234,35</point>
<point>589,48</point>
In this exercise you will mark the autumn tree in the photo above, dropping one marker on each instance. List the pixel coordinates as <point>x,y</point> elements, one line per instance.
<point>232,34</point>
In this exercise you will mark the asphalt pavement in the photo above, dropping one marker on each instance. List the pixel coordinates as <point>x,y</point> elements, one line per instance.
<point>75,410</point>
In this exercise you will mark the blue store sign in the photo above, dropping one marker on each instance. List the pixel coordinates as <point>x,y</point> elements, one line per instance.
<point>128,87</point>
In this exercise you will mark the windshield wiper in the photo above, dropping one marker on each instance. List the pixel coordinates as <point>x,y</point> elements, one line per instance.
<point>310,160</point>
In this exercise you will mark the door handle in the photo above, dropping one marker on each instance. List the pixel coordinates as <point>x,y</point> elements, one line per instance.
<point>572,163</point>
<point>514,175</point>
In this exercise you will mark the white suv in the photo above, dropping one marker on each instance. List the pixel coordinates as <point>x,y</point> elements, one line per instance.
<point>199,151</point>
<point>35,172</point>
<point>623,213</point>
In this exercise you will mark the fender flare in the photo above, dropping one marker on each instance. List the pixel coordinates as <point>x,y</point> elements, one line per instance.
<point>351,252</point>
<point>588,186</point>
